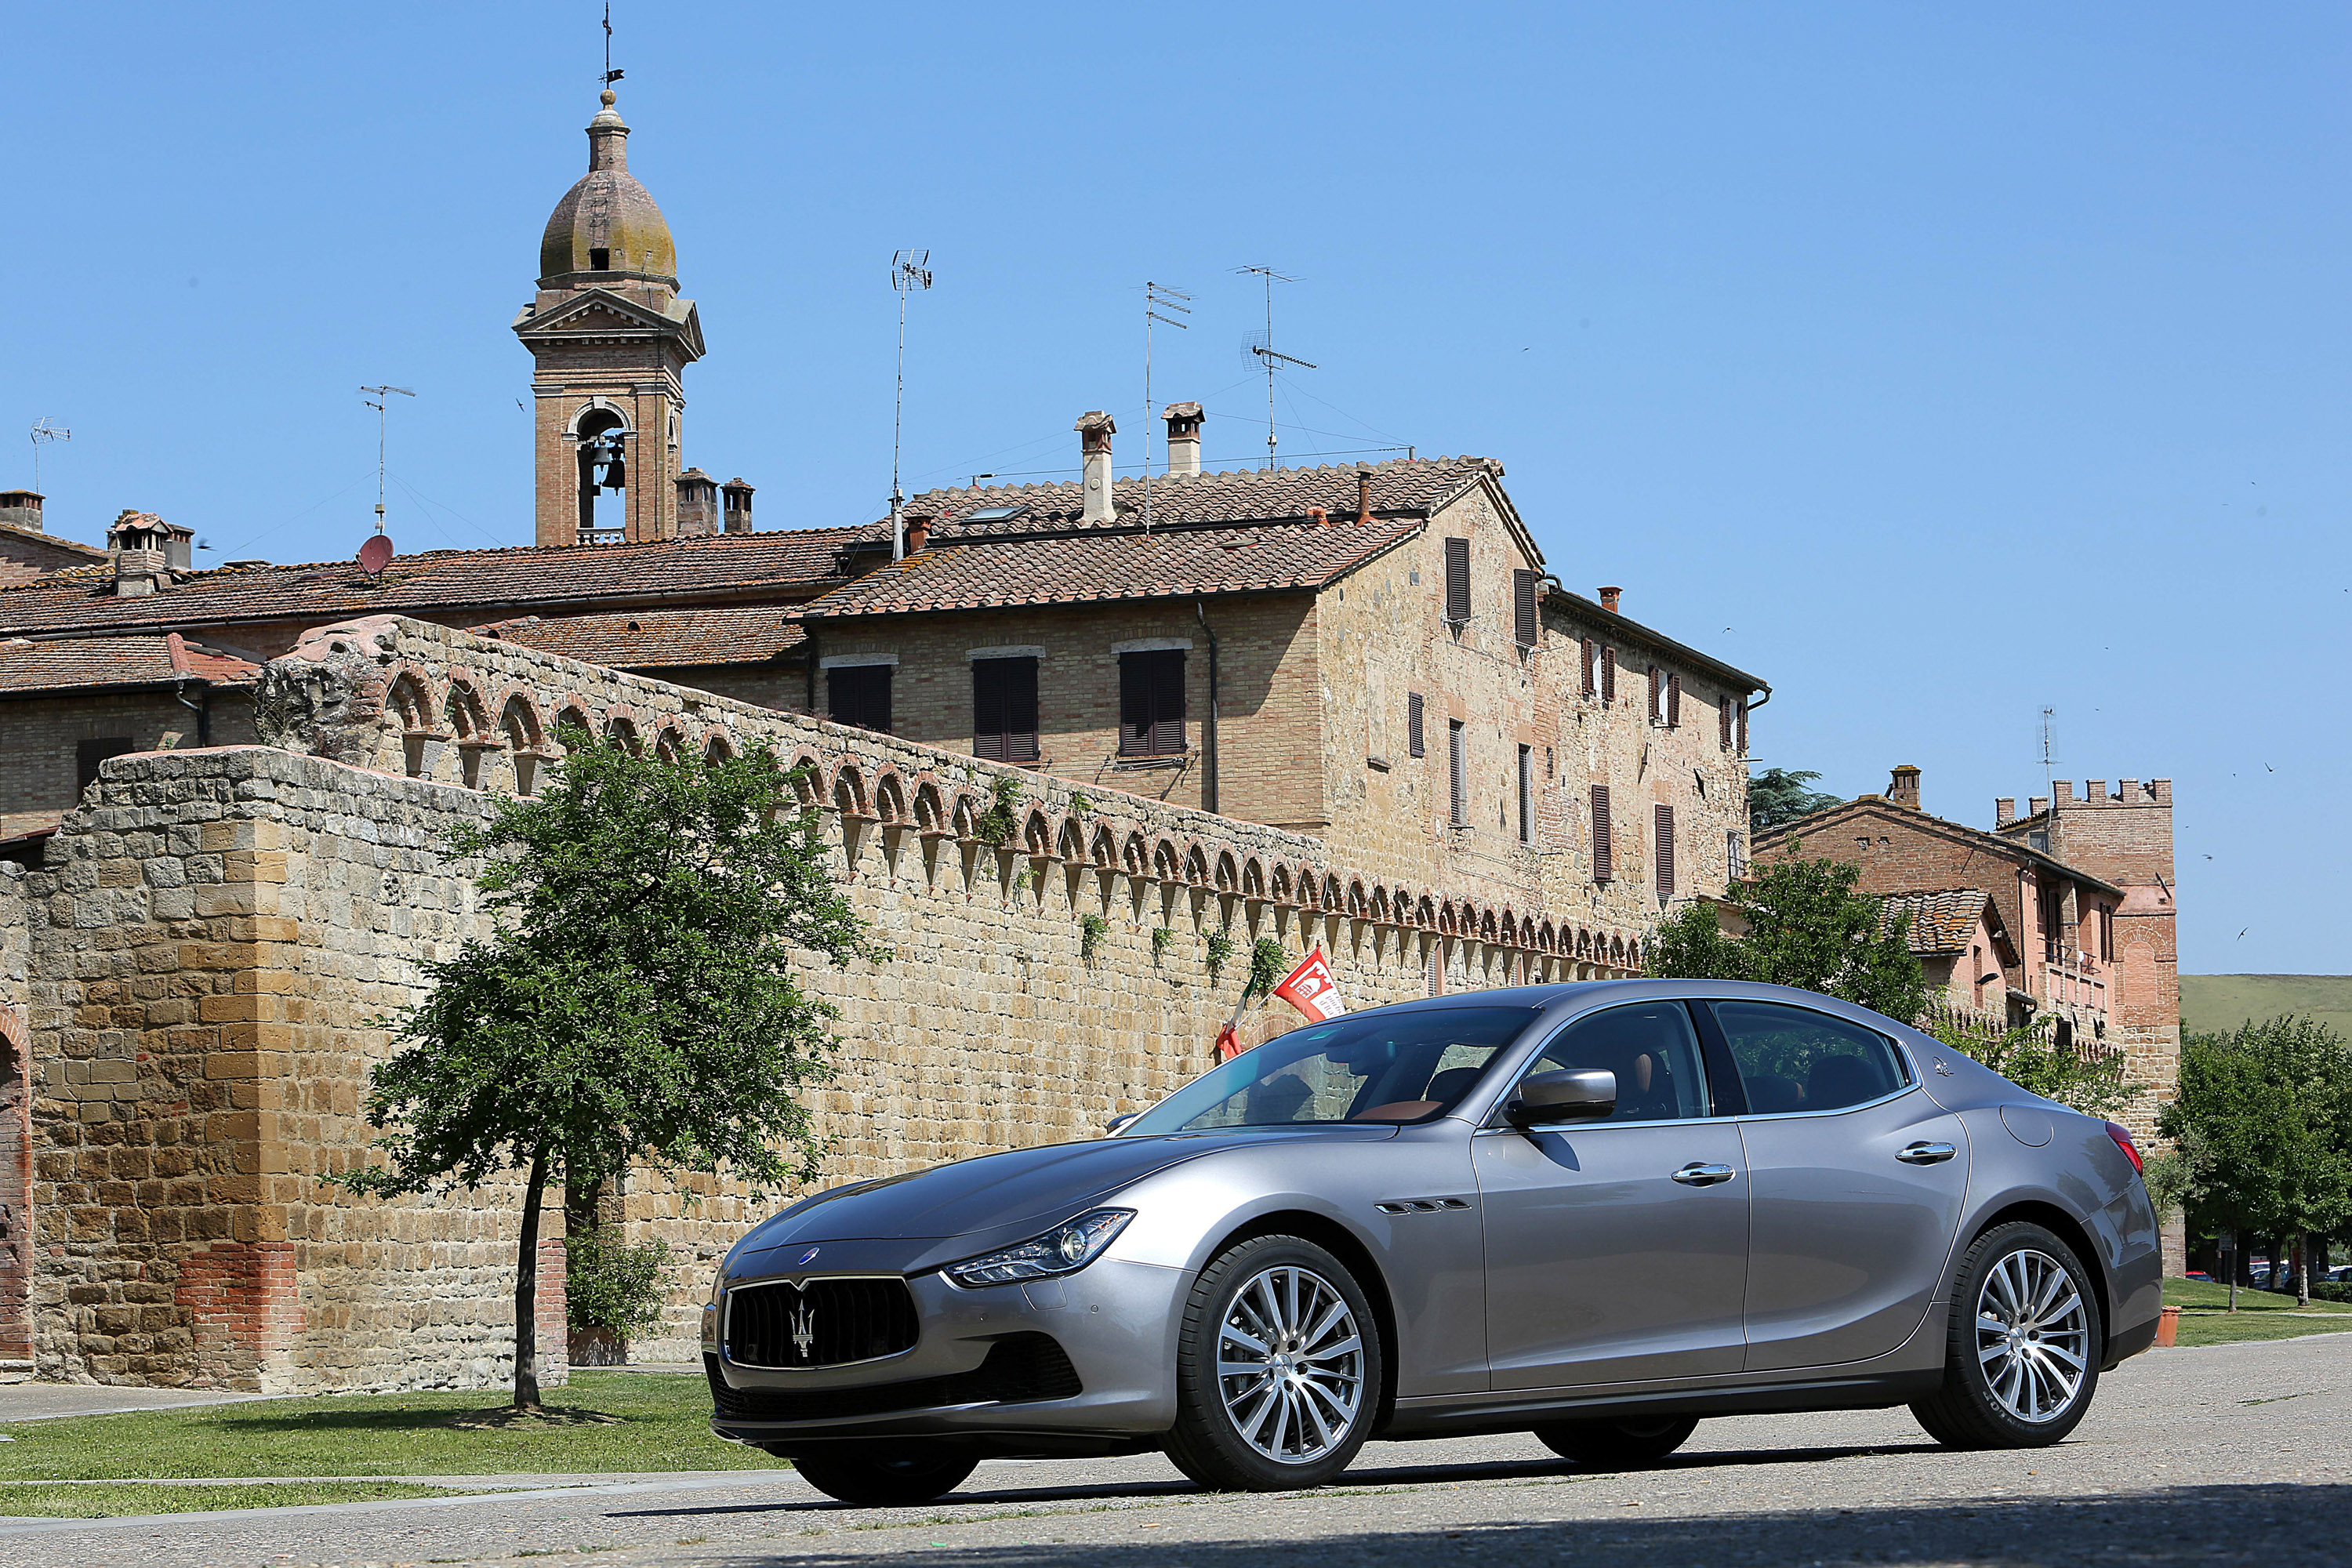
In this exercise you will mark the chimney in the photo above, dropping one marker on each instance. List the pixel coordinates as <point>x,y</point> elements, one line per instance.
<point>698,504</point>
<point>1318,517</point>
<point>737,498</point>
<point>1094,431</point>
<point>1609,599</point>
<point>918,532</point>
<point>2004,810</point>
<point>142,547</point>
<point>135,571</point>
<point>1364,493</point>
<point>1183,439</point>
<point>21,508</point>
<point>1902,787</point>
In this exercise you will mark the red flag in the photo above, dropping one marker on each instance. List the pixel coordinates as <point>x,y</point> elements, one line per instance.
<point>1311,990</point>
<point>1229,1044</point>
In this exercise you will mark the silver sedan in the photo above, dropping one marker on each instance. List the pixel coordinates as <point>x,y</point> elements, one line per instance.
<point>1594,1212</point>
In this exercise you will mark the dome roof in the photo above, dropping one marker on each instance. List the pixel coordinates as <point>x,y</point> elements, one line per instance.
<point>607,226</point>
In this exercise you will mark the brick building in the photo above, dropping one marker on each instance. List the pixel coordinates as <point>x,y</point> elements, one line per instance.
<point>28,550</point>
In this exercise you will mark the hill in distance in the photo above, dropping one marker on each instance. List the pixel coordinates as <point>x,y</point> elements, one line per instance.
<point>2214,1004</point>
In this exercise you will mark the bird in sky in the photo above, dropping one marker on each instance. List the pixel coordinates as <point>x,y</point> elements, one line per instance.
<point>2242,936</point>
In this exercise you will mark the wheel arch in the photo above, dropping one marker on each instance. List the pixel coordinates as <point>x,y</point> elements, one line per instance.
<point>1350,1249</point>
<point>2051,1217</point>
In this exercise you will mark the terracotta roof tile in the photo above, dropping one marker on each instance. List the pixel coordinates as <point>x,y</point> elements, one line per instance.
<point>660,640</point>
<point>80,662</point>
<point>1418,486</point>
<point>989,574</point>
<point>1942,921</point>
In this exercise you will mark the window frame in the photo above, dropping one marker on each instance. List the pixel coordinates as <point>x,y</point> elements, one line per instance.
<point>1712,1034</point>
<point>1709,1073</point>
<point>1458,581</point>
<point>890,682</point>
<point>1457,774</point>
<point>1147,744</point>
<point>1009,737</point>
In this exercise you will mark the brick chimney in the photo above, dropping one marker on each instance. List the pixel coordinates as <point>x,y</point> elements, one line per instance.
<point>1609,599</point>
<point>1318,517</point>
<point>1364,493</point>
<point>145,549</point>
<point>1094,431</point>
<point>21,508</point>
<point>698,504</point>
<point>2004,810</point>
<point>1183,439</point>
<point>738,497</point>
<point>1902,787</point>
<point>918,532</point>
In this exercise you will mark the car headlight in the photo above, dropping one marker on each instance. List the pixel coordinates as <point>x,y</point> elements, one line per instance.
<point>1064,1249</point>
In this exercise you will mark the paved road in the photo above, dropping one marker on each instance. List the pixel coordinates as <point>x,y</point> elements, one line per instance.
<point>2236,1454</point>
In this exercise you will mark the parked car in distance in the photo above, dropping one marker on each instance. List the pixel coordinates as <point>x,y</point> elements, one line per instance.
<point>1595,1211</point>
<point>2199,1274</point>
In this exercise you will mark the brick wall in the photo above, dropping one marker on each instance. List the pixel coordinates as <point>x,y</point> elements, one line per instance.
<point>38,764</point>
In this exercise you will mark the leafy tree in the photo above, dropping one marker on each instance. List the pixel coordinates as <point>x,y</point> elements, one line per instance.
<point>1806,927</point>
<point>1777,796</point>
<point>2265,1121</point>
<point>635,1002</point>
<point>2032,1058</point>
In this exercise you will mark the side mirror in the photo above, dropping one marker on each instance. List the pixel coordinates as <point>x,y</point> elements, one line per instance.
<point>1573,1094</point>
<point>1116,1122</point>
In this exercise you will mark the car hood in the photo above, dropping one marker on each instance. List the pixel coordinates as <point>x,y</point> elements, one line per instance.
<point>1021,1186</point>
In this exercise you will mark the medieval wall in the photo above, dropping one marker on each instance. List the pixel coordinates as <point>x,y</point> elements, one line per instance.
<point>16,1122</point>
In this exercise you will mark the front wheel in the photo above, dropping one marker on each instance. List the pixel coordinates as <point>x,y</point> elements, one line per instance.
<point>1617,1445</point>
<point>916,1474</point>
<point>2022,1359</point>
<point>1277,1369</point>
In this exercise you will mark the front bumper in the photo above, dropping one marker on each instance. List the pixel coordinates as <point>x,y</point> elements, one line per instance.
<point>976,1369</point>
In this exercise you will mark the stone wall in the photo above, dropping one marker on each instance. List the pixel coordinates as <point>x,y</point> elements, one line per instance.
<point>16,1122</point>
<point>39,766</point>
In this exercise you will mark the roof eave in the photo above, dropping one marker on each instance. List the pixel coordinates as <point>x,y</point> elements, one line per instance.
<point>1611,620</point>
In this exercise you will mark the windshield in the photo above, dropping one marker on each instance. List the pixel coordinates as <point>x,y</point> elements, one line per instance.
<point>1384,1067</point>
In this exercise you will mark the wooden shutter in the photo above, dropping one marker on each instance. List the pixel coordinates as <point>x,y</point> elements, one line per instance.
<point>1604,859</point>
<point>1657,695</point>
<point>1723,723</point>
<point>1608,675</point>
<point>1168,702</point>
<point>1591,652</point>
<point>1674,702</point>
<point>1004,709</point>
<point>859,695</point>
<point>1457,580</point>
<point>1523,607</point>
<point>1742,747</point>
<point>1527,795</point>
<point>1665,816</point>
<point>1152,703</point>
<point>1416,738</point>
<point>1457,755</point>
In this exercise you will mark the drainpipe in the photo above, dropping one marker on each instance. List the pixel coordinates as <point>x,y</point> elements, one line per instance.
<point>203,711</point>
<point>1208,729</point>
<point>808,650</point>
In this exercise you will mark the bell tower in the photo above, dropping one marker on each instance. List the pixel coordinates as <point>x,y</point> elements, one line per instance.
<point>609,339</point>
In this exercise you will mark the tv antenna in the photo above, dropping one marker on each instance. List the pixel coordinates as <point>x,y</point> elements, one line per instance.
<point>2049,751</point>
<point>611,76</point>
<point>376,397</point>
<point>910,273</point>
<point>1266,353</point>
<point>1157,297</point>
<point>43,431</point>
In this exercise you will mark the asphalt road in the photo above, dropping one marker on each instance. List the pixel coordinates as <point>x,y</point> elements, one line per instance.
<point>2235,1454</point>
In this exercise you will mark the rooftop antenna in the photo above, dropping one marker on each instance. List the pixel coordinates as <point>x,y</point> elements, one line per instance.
<point>910,273</point>
<point>2049,753</point>
<point>1266,352</point>
<point>1157,297</point>
<point>43,431</point>
<point>611,76</point>
<point>375,398</point>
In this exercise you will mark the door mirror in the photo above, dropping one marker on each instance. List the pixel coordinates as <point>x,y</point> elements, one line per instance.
<point>1571,1094</point>
<point>1116,1122</point>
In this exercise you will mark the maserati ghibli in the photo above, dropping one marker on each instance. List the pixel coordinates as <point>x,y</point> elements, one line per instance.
<point>1597,1213</point>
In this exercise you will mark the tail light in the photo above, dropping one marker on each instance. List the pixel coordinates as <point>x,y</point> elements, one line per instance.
<point>2122,1135</point>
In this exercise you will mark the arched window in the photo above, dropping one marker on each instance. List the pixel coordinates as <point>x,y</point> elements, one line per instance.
<point>604,459</point>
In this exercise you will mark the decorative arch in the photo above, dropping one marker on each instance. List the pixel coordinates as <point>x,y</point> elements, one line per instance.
<point>1037,832</point>
<point>622,730</point>
<point>1280,888</point>
<point>1070,844</point>
<point>412,699</point>
<point>1253,878</point>
<point>1228,872</point>
<point>848,792</point>
<point>572,716</point>
<point>890,796</point>
<point>1167,864</point>
<point>519,720</point>
<point>1359,902</point>
<point>1136,853</point>
<point>466,714</point>
<point>1334,898</point>
<point>671,745</point>
<point>718,749</point>
<point>930,806</point>
<point>1196,865</point>
<point>1104,851</point>
<point>1424,913</point>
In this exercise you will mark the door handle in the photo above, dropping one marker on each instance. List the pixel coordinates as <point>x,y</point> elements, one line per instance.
<point>1700,1176</point>
<point>1926,1153</point>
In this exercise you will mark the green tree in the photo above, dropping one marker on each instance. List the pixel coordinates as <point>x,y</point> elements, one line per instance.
<point>634,1002</point>
<point>1806,927</point>
<point>2032,1058</point>
<point>2265,1121</point>
<point>1777,796</point>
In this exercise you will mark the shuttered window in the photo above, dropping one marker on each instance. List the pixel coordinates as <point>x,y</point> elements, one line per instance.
<point>1723,724</point>
<point>1152,703</point>
<point>1591,659</point>
<point>1742,737</point>
<point>1457,580</point>
<point>1523,608</point>
<point>1665,816</point>
<point>1457,760</point>
<point>1608,675</point>
<point>88,755</point>
<point>859,694</point>
<point>1735,855</point>
<point>1416,737</point>
<point>1004,709</point>
<point>1604,859</point>
<point>1674,702</point>
<point>1657,695</point>
<point>1527,795</point>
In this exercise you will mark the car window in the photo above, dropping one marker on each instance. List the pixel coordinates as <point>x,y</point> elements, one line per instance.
<point>1388,1067</point>
<point>1652,1049</point>
<point>1792,1059</point>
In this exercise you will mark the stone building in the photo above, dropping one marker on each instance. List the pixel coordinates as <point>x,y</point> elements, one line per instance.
<point>28,550</point>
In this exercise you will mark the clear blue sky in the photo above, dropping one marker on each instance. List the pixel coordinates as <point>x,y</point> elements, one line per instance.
<point>1937,365</point>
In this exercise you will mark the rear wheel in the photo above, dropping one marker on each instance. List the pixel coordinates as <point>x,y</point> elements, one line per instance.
<point>1277,1369</point>
<point>915,1474</point>
<point>2021,1355</point>
<point>1617,1445</point>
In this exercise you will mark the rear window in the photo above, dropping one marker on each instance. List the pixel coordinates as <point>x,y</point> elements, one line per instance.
<point>1383,1068</point>
<point>1792,1059</point>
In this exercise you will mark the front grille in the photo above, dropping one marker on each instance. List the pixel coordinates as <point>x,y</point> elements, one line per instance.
<point>819,1322</point>
<point>1020,1368</point>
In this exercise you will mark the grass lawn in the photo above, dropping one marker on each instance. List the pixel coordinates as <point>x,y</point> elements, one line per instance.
<point>37,1501</point>
<point>2261,1314</point>
<point>662,1425</point>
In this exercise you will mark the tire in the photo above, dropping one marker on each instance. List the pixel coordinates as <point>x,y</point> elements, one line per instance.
<point>915,1474</point>
<point>1305,1398</point>
<point>1617,1445</point>
<point>2022,1350</point>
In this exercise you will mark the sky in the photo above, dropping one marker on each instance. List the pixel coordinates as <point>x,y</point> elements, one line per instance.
<point>1939,366</point>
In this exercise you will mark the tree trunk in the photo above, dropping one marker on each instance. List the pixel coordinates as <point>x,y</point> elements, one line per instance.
<point>526,1394</point>
<point>2303,1269</point>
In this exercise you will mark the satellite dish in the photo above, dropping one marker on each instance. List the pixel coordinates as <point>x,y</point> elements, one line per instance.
<point>376,554</point>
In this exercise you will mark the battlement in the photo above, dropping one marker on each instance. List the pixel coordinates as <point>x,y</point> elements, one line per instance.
<point>2128,792</point>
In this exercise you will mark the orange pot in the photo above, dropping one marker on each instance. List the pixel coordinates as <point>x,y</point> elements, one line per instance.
<point>2167,1328</point>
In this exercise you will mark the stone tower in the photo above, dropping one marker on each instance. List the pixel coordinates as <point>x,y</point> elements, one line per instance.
<point>609,338</point>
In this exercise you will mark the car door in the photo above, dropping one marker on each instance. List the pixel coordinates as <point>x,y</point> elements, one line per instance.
<point>1855,1182</point>
<point>1617,1250</point>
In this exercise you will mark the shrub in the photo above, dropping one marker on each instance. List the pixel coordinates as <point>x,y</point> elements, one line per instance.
<point>995,825</point>
<point>1091,931</point>
<point>610,1285</point>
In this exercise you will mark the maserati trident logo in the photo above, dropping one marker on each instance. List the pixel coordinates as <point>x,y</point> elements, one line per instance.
<point>806,1258</point>
<point>803,1330</point>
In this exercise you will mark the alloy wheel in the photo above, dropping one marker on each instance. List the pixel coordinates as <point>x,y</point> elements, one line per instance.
<point>1290,1364</point>
<point>2033,1336</point>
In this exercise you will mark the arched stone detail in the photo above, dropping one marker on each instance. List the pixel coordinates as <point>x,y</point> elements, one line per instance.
<point>807,770</point>
<point>671,745</point>
<point>1167,861</point>
<point>963,815</point>
<point>1280,888</point>
<point>1359,901</point>
<point>1333,897</point>
<point>621,731</point>
<point>719,748</point>
<point>891,797</point>
<point>1070,842</point>
<point>1253,878</point>
<point>847,795</point>
<point>466,714</point>
<point>930,806</point>
<point>1424,913</point>
<point>1135,855</point>
<point>1228,872</point>
<point>1037,832</point>
<point>573,716</point>
<point>1381,904</point>
<point>519,719</point>
<point>1104,851</point>
<point>411,701</point>
<point>1546,939</point>
<point>1196,865</point>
